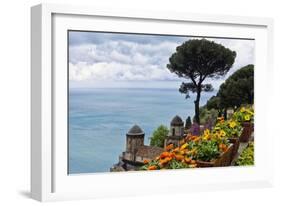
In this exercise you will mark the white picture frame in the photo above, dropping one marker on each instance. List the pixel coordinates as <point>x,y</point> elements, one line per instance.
<point>49,178</point>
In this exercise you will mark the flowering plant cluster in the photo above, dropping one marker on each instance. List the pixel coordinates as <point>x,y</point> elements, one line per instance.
<point>228,129</point>
<point>173,158</point>
<point>205,147</point>
<point>245,114</point>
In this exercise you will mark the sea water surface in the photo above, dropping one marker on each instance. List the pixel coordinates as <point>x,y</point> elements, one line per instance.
<point>100,118</point>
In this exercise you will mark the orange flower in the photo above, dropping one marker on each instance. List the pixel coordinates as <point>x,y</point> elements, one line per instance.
<point>182,141</point>
<point>164,154</point>
<point>145,161</point>
<point>196,139</point>
<point>169,147</point>
<point>193,137</point>
<point>192,162</point>
<point>179,157</point>
<point>172,155</point>
<point>152,167</point>
<point>166,160</point>
<point>223,147</point>
<point>176,149</point>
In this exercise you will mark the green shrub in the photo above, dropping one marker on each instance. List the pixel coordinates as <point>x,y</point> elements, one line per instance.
<point>206,115</point>
<point>158,136</point>
<point>247,156</point>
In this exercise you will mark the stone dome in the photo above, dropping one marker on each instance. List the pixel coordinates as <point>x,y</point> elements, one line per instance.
<point>177,121</point>
<point>135,130</point>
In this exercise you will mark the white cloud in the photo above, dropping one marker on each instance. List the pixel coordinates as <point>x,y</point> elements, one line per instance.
<point>121,60</point>
<point>117,72</point>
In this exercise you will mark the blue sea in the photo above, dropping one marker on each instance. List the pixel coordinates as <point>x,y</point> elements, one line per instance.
<point>100,118</point>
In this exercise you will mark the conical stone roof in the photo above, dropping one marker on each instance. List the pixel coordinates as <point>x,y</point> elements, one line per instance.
<point>177,121</point>
<point>135,130</point>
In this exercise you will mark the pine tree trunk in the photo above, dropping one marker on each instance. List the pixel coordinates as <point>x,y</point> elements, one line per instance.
<point>196,103</point>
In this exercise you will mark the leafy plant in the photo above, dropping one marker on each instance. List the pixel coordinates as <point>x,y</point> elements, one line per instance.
<point>247,156</point>
<point>207,150</point>
<point>174,164</point>
<point>158,136</point>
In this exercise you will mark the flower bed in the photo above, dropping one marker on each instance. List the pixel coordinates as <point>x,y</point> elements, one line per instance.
<point>194,151</point>
<point>172,158</point>
<point>214,148</point>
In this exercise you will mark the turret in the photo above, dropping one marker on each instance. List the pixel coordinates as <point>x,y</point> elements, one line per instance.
<point>135,139</point>
<point>176,131</point>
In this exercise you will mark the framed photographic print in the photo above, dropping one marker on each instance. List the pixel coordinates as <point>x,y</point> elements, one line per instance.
<point>137,103</point>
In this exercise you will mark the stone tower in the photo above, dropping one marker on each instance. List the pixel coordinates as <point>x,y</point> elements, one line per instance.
<point>176,132</point>
<point>135,139</point>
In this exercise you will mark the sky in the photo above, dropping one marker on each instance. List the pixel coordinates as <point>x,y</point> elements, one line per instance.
<point>115,60</point>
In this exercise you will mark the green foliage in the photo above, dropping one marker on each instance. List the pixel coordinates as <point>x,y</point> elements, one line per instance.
<point>188,123</point>
<point>213,103</point>
<point>206,115</point>
<point>247,156</point>
<point>158,136</point>
<point>146,166</point>
<point>207,150</point>
<point>174,164</point>
<point>238,89</point>
<point>197,60</point>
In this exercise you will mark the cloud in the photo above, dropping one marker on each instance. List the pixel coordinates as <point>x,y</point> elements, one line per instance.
<point>114,71</point>
<point>123,57</point>
<point>79,38</point>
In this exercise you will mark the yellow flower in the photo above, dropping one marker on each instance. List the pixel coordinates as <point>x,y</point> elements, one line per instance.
<point>222,133</point>
<point>206,135</point>
<point>232,124</point>
<point>183,146</point>
<point>247,117</point>
<point>242,109</point>
<point>217,135</point>
<point>206,132</point>
<point>205,138</point>
<point>250,112</point>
